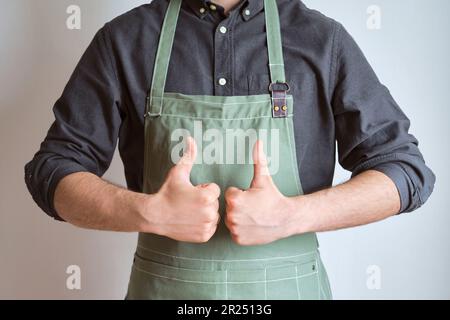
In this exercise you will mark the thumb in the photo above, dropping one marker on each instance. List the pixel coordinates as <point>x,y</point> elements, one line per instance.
<point>261,176</point>
<point>184,166</point>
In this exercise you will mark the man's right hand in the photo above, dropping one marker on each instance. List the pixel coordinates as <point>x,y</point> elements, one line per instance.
<point>185,212</point>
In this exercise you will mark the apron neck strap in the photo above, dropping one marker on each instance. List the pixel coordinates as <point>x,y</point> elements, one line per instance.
<point>274,44</point>
<point>162,61</point>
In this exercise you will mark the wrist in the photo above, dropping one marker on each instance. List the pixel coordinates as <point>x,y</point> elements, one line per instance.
<point>148,212</point>
<point>301,215</point>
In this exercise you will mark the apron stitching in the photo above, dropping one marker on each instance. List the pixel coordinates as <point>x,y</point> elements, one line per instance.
<point>184,269</point>
<point>296,283</point>
<point>265,283</point>
<point>222,119</point>
<point>223,282</point>
<point>319,282</point>
<point>292,158</point>
<point>218,260</point>
<point>220,103</point>
<point>226,284</point>
<point>322,293</point>
<point>201,270</point>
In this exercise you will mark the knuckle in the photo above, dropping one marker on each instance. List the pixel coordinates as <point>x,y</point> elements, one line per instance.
<point>230,193</point>
<point>200,238</point>
<point>206,234</point>
<point>233,199</point>
<point>228,224</point>
<point>233,229</point>
<point>172,173</point>
<point>205,198</point>
<point>211,216</point>
<point>215,206</point>
<point>232,226</point>
<point>231,217</point>
<point>215,190</point>
<point>207,227</point>
<point>231,204</point>
<point>203,238</point>
<point>239,240</point>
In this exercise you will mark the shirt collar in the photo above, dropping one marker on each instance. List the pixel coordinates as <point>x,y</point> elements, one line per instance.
<point>252,8</point>
<point>199,7</point>
<point>248,10</point>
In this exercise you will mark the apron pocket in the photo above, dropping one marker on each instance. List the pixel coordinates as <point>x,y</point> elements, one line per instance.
<point>289,281</point>
<point>154,281</point>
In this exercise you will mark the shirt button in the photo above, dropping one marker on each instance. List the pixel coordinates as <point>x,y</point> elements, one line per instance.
<point>223,30</point>
<point>247,12</point>
<point>213,7</point>
<point>222,81</point>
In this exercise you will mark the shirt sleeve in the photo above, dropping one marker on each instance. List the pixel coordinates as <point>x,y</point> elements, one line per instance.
<point>84,134</point>
<point>372,132</point>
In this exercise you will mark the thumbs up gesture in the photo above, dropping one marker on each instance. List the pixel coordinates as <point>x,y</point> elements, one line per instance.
<point>259,215</point>
<point>187,213</point>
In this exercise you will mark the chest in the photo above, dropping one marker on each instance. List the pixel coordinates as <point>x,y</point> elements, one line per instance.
<point>230,57</point>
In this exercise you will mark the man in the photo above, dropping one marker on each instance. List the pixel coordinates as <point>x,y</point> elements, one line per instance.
<point>218,230</point>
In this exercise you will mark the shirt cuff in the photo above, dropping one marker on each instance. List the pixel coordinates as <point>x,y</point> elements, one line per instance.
<point>43,190</point>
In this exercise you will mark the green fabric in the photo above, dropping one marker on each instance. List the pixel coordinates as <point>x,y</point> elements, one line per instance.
<point>220,269</point>
<point>274,43</point>
<point>163,55</point>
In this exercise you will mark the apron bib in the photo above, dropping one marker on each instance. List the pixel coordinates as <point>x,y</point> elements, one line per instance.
<point>224,126</point>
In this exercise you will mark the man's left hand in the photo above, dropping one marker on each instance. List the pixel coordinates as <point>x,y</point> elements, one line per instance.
<point>261,214</point>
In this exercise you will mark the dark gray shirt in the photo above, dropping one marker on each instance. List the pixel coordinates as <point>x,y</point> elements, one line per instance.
<point>338,98</point>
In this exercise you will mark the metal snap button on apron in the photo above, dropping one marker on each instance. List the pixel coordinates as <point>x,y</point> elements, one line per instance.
<point>289,268</point>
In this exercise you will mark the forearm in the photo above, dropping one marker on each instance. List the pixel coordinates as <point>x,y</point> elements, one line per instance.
<point>90,202</point>
<point>368,197</point>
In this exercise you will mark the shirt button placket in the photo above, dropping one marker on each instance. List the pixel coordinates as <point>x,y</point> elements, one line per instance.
<point>222,60</point>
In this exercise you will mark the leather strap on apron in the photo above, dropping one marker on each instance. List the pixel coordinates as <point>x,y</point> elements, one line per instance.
<point>278,86</point>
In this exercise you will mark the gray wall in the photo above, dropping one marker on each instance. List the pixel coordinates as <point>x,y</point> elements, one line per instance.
<point>37,54</point>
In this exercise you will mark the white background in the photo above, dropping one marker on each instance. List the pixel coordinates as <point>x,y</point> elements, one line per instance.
<point>37,55</point>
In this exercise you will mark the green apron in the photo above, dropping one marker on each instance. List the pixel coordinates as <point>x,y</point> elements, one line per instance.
<point>163,268</point>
